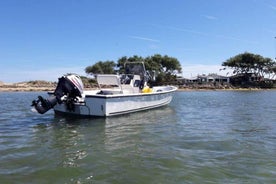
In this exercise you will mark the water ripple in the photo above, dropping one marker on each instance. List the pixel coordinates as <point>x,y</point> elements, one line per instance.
<point>201,137</point>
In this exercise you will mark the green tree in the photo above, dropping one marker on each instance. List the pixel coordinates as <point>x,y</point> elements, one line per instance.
<point>121,62</point>
<point>163,64</point>
<point>270,70</point>
<point>164,67</point>
<point>247,63</point>
<point>158,63</point>
<point>106,67</point>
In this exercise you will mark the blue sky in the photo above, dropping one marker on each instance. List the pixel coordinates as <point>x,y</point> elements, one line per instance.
<point>45,39</point>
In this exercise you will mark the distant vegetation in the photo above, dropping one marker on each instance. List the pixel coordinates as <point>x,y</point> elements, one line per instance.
<point>88,82</point>
<point>252,63</point>
<point>40,83</point>
<point>252,70</point>
<point>249,70</point>
<point>245,66</point>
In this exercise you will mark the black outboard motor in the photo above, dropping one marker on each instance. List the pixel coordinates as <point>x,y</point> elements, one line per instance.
<point>69,86</point>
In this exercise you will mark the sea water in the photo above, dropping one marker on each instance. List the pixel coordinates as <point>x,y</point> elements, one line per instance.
<point>201,137</point>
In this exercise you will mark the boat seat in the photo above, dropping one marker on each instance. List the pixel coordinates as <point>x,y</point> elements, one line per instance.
<point>109,92</point>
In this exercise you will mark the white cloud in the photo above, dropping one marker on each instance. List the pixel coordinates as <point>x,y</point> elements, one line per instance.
<point>186,30</point>
<point>210,17</point>
<point>144,38</point>
<point>47,74</point>
<point>195,32</point>
<point>236,39</point>
<point>190,71</point>
<point>52,74</point>
<point>272,7</point>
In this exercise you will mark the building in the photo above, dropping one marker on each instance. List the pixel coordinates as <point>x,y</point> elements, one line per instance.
<point>212,78</point>
<point>202,79</point>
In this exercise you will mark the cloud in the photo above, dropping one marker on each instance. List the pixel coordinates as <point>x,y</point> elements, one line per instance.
<point>236,39</point>
<point>219,36</point>
<point>190,71</point>
<point>52,74</point>
<point>209,17</point>
<point>47,74</point>
<point>186,30</point>
<point>153,46</point>
<point>225,37</point>
<point>144,38</point>
<point>272,7</point>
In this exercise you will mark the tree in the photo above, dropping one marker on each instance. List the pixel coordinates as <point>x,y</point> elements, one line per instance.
<point>247,63</point>
<point>121,62</point>
<point>106,67</point>
<point>164,64</point>
<point>270,70</point>
<point>164,67</point>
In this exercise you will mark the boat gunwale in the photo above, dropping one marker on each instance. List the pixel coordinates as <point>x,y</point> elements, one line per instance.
<point>132,94</point>
<point>174,88</point>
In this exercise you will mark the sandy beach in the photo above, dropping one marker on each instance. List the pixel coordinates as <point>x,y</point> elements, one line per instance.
<point>24,87</point>
<point>27,86</point>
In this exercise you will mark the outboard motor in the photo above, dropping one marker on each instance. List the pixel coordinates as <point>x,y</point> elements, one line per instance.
<point>69,87</point>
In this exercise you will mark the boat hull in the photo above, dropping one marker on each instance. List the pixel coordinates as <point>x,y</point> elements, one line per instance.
<point>111,105</point>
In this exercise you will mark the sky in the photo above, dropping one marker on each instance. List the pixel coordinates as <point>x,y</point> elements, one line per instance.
<point>43,40</point>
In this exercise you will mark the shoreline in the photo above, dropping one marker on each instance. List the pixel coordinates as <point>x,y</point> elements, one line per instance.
<point>46,89</point>
<point>228,89</point>
<point>25,89</point>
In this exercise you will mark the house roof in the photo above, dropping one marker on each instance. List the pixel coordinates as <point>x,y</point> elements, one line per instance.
<point>212,75</point>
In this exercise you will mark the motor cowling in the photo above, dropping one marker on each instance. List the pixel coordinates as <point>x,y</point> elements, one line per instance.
<point>69,87</point>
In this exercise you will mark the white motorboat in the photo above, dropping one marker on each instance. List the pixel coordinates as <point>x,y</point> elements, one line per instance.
<point>117,94</point>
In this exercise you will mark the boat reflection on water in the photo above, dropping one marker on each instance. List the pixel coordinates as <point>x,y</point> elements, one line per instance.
<point>72,137</point>
<point>122,132</point>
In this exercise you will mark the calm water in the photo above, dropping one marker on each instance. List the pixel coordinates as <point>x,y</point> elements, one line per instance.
<point>201,137</point>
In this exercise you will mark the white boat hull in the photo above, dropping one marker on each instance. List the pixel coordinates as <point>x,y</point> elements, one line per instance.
<point>94,104</point>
